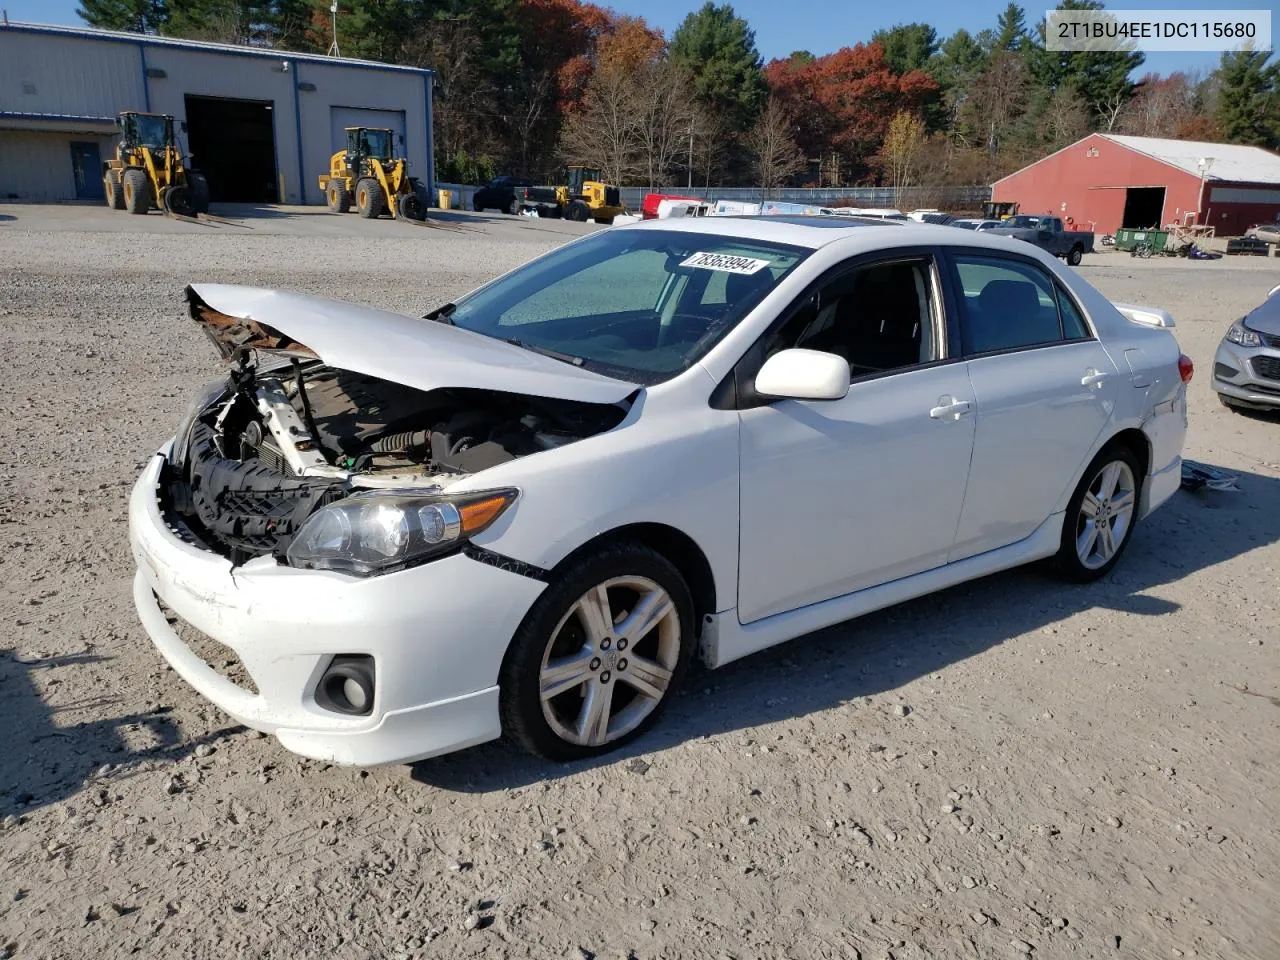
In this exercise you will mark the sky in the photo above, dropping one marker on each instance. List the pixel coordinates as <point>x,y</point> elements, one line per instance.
<point>819,26</point>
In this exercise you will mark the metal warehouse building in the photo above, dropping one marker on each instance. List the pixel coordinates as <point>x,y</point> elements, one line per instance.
<point>261,124</point>
<point>1105,182</point>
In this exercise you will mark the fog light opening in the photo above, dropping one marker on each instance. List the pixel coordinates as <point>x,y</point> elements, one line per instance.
<point>347,685</point>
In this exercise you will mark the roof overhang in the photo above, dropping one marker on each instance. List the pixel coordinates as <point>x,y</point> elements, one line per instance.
<point>57,123</point>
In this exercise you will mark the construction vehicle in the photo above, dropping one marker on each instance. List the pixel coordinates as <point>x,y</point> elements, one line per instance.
<point>149,170</point>
<point>582,198</point>
<point>991,210</point>
<point>369,174</point>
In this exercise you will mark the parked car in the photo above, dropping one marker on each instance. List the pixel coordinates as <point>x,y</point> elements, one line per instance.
<point>523,513</point>
<point>1048,234</point>
<point>978,225</point>
<point>1266,232</point>
<point>1246,368</point>
<point>500,193</point>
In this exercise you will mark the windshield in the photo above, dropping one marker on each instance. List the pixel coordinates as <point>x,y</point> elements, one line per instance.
<point>639,305</point>
<point>376,143</point>
<point>1024,221</point>
<point>152,131</point>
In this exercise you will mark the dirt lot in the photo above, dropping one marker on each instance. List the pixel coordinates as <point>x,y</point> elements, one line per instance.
<point>1080,772</point>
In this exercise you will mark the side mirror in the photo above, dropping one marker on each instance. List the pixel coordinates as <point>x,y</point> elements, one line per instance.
<point>798,374</point>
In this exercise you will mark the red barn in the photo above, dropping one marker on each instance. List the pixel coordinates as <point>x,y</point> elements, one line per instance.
<point>1105,182</point>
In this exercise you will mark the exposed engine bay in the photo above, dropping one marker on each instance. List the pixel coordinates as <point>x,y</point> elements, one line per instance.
<point>283,441</point>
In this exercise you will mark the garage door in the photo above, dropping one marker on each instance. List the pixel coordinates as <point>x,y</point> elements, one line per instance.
<point>343,117</point>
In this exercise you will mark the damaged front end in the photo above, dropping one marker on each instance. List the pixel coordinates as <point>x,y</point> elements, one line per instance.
<point>287,434</point>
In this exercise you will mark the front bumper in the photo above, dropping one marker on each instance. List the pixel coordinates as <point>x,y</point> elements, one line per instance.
<point>437,634</point>
<point>1242,375</point>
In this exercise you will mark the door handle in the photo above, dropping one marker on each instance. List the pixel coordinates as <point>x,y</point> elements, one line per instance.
<point>949,409</point>
<point>1092,378</point>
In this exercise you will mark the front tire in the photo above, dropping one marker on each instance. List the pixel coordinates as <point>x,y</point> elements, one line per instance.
<point>578,212</point>
<point>137,191</point>
<point>369,198</point>
<point>1100,515</point>
<point>594,662</point>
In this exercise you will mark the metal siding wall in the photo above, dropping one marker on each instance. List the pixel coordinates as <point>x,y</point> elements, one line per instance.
<point>71,75</point>
<point>37,166</point>
<point>338,86</point>
<point>238,77</point>
<point>1077,179</point>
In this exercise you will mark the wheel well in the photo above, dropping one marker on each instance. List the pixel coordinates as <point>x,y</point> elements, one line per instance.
<point>1138,443</point>
<point>676,546</point>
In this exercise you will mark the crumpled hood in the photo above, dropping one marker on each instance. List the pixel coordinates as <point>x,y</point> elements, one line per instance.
<point>422,354</point>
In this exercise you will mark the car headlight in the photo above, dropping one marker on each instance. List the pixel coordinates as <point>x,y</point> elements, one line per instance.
<point>205,397</point>
<point>377,531</point>
<point>1239,333</point>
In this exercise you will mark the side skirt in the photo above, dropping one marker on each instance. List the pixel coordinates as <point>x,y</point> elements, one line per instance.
<point>724,639</point>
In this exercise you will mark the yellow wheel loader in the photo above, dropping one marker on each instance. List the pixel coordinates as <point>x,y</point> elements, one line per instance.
<point>148,169</point>
<point>583,197</point>
<point>369,175</point>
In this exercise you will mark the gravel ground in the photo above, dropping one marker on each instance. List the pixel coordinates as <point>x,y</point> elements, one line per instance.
<point>1011,768</point>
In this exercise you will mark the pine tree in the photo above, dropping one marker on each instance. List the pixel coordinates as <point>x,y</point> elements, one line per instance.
<point>1247,98</point>
<point>719,50</point>
<point>134,16</point>
<point>1011,29</point>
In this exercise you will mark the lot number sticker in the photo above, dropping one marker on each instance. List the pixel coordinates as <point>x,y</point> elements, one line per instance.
<point>725,263</point>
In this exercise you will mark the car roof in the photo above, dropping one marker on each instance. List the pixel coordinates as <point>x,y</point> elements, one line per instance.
<point>817,231</point>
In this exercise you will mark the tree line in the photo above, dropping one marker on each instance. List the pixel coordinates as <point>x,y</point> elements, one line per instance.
<point>525,86</point>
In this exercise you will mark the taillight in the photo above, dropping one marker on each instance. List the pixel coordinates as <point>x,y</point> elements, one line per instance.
<point>1185,368</point>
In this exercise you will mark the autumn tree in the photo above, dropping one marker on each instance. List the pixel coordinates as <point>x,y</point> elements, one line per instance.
<point>773,147</point>
<point>1247,98</point>
<point>902,145</point>
<point>843,102</point>
<point>997,100</point>
<point>1161,106</point>
<point>134,16</point>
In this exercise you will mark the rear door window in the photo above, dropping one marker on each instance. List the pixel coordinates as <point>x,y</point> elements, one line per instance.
<point>1008,304</point>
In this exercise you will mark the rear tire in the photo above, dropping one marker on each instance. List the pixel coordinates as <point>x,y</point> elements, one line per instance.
<point>369,199</point>
<point>136,190</point>
<point>629,676</point>
<point>513,207</point>
<point>476,205</point>
<point>337,197</point>
<point>1101,515</point>
<point>1074,256</point>
<point>113,189</point>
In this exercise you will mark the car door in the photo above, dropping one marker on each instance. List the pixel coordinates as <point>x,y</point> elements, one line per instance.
<point>1044,389</point>
<point>844,494</point>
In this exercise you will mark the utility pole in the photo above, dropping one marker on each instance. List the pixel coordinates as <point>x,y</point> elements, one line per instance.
<point>690,154</point>
<point>333,47</point>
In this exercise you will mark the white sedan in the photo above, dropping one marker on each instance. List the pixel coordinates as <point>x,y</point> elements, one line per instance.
<point>523,514</point>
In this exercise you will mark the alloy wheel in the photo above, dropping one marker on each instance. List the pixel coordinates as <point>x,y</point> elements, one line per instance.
<point>609,661</point>
<point>1106,514</point>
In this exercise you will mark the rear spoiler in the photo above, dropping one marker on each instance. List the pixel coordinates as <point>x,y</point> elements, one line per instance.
<point>1148,316</point>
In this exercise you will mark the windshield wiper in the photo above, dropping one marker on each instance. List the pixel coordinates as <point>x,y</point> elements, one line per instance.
<point>442,314</point>
<point>547,352</point>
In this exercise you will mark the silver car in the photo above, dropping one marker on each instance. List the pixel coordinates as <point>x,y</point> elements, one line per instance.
<point>1246,369</point>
